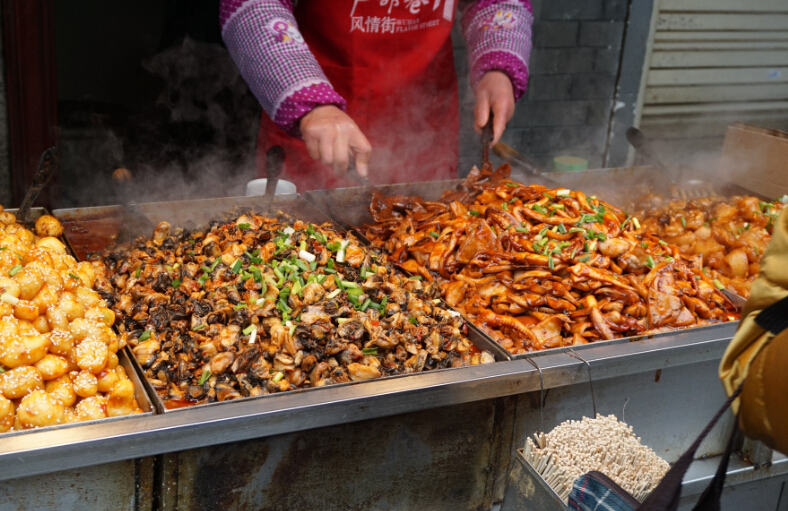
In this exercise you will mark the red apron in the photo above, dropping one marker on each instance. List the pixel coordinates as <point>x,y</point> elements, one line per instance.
<point>393,62</point>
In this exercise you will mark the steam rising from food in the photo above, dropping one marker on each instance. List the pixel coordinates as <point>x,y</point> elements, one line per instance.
<point>540,268</point>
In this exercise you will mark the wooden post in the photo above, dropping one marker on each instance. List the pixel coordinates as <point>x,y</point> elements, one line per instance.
<point>29,42</point>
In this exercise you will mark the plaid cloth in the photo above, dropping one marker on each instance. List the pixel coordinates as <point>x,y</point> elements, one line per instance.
<point>589,494</point>
<point>499,39</point>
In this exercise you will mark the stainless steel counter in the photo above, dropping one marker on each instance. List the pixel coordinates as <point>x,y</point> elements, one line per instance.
<point>137,437</point>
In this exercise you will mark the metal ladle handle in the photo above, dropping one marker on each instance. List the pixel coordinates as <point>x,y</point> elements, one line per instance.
<point>47,166</point>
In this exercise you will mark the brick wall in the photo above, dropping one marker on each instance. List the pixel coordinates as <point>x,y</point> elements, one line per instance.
<point>574,65</point>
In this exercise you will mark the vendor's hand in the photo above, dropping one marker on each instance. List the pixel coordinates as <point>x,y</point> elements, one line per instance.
<point>332,137</point>
<point>495,92</point>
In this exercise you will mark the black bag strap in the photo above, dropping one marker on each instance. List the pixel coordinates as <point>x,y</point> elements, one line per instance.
<point>774,318</point>
<point>665,496</point>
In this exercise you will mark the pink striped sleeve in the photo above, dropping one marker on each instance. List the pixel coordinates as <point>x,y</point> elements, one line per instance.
<point>263,38</point>
<point>498,33</point>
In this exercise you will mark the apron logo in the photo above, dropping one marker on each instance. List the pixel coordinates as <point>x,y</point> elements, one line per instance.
<point>285,32</point>
<point>384,24</point>
<point>414,6</point>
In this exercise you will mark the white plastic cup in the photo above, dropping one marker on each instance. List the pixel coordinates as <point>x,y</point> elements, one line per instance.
<point>257,187</point>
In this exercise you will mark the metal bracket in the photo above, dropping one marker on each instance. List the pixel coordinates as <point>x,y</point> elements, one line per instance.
<point>756,453</point>
<point>571,353</point>
<point>541,393</point>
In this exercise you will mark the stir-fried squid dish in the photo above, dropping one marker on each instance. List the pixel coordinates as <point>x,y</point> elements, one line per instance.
<point>266,305</point>
<point>726,236</point>
<point>540,268</point>
<point>58,353</point>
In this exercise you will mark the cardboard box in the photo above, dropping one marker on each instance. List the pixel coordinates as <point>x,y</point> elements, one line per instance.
<point>756,159</point>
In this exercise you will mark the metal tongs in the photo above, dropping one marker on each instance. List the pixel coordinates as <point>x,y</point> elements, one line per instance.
<point>274,160</point>
<point>487,138</point>
<point>47,166</point>
<point>504,152</point>
<point>515,159</point>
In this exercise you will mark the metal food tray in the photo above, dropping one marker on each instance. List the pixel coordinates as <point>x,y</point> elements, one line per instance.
<point>145,404</point>
<point>199,213</point>
<point>349,207</point>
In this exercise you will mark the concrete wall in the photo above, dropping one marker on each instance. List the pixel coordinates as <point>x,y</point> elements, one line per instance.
<point>574,67</point>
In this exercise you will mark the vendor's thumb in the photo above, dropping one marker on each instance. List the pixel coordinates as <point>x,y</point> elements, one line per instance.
<point>362,152</point>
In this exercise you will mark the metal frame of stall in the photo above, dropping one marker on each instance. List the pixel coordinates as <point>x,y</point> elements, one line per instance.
<point>433,440</point>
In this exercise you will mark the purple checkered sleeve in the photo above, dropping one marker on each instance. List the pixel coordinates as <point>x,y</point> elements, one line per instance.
<point>263,38</point>
<point>498,33</point>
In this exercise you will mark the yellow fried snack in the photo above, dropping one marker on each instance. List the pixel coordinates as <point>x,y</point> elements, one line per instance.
<point>58,352</point>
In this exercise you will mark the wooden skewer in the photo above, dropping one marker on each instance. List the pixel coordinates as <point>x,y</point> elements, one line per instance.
<point>603,444</point>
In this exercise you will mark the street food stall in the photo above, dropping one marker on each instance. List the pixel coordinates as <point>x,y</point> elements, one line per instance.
<point>282,357</point>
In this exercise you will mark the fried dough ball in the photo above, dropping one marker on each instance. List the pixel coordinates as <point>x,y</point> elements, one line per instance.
<point>92,408</point>
<point>39,409</point>
<point>85,384</point>
<point>6,414</point>
<point>121,399</point>
<point>47,225</point>
<point>63,390</point>
<point>58,352</point>
<point>19,382</point>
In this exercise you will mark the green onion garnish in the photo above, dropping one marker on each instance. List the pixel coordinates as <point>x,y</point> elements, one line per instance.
<point>243,227</point>
<point>137,273</point>
<point>248,330</point>
<point>369,351</point>
<point>413,320</point>
<point>434,234</point>
<point>650,262</point>
<point>16,269</point>
<point>204,377</point>
<point>241,305</point>
<point>585,259</point>
<point>521,229</point>
<point>474,213</point>
<point>176,283</point>
<point>144,336</point>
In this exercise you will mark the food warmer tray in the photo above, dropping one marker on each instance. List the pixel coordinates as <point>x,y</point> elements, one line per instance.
<point>199,213</point>
<point>349,208</point>
<point>147,435</point>
<point>124,357</point>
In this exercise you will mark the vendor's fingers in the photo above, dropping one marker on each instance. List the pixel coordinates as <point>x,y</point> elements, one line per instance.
<point>362,151</point>
<point>341,152</point>
<point>327,149</point>
<point>481,111</point>
<point>312,147</point>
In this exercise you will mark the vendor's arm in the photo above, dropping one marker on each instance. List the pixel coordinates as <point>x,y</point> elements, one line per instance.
<point>498,33</point>
<point>263,38</point>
